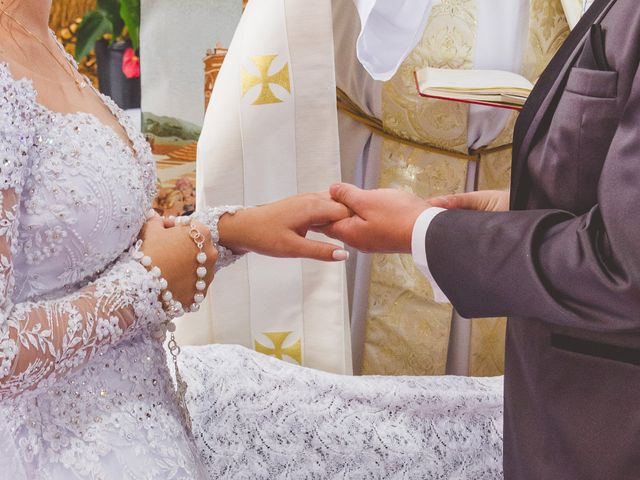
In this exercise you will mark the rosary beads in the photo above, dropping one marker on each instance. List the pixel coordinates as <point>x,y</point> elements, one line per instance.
<point>171,306</point>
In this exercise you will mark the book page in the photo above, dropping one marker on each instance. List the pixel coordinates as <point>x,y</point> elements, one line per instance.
<point>430,79</point>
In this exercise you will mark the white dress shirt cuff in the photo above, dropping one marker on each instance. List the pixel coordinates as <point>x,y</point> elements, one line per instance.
<point>419,250</point>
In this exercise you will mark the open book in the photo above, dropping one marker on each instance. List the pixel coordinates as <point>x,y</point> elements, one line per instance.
<point>484,87</point>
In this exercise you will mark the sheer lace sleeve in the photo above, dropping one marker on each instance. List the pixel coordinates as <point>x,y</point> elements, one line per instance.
<point>40,341</point>
<point>210,216</point>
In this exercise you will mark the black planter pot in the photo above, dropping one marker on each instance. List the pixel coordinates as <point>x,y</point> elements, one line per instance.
<point>124,91</point>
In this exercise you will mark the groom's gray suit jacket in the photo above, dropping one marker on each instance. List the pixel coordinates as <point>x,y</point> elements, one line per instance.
<point>564,265</point>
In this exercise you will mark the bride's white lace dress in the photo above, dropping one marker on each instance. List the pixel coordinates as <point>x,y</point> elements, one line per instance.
<point>85,391</point>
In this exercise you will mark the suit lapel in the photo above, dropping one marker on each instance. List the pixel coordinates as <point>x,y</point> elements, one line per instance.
<point>543,96</point>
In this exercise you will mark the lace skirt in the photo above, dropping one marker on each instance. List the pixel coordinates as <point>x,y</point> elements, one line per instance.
<point>259,418</point>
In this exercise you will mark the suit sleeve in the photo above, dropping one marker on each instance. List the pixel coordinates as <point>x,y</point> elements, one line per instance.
<point>573,271</point>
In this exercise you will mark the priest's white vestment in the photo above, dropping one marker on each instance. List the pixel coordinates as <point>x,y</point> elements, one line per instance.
<point>248,156</point>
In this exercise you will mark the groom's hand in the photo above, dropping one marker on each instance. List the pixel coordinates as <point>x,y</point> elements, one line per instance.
<point>382,222</point>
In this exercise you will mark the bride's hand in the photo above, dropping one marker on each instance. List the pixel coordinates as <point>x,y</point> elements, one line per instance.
<point>279,229</point>
<point>484,200</point>
<point>174,252</point>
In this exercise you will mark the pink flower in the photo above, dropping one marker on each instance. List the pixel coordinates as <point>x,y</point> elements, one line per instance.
<point>131,64</point>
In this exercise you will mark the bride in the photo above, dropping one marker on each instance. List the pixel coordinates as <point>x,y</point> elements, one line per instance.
<point>89,284</point>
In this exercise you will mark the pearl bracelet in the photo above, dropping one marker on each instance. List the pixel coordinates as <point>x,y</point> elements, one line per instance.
<point>201,271</point>
<point>210,217</point>
<point>173,308</point>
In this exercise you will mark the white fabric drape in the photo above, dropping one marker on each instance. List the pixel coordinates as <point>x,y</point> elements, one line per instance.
<point>270,166</point>
<point>390,29</point>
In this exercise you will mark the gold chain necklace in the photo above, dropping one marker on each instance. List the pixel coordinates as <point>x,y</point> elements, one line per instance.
<point>80,82</point>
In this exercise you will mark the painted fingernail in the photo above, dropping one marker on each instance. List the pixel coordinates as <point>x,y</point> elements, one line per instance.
<point>340,255</point>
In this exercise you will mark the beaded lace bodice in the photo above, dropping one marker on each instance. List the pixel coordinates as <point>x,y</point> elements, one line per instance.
<point>81,170</point>
<point>68,182</point>
<point>80,372</point>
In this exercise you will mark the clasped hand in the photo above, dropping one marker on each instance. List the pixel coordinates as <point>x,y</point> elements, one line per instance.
<point>370,221</point>
<point>278,229</point>
<point>383,220</point>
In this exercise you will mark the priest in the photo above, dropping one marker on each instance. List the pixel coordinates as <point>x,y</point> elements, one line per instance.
<point>271,131</point>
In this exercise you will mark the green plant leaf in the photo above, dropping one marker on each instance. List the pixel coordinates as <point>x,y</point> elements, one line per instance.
<point>112,10</point>
<point>130,13</point>
<point>94,25</point>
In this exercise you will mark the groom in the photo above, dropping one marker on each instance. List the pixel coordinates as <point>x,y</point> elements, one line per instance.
<point>564,263</point>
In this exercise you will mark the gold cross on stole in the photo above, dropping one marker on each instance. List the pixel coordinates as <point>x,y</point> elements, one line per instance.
<point>281,78</point>
<point>278,339</point>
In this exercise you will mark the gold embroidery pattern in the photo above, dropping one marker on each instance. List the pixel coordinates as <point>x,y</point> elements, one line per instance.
<point>278,350</point>
<point>547,31</point>
<point>265,80</point>
<point>506,136</point>
<point>448,42</point>
<point>495,171</point>
<point>407,332</point>
<point>487,347</point>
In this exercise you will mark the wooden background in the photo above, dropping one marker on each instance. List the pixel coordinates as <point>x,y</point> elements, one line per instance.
<point>63,12</point>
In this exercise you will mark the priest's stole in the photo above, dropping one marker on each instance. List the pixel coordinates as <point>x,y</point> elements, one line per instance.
<point>271,131</point>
